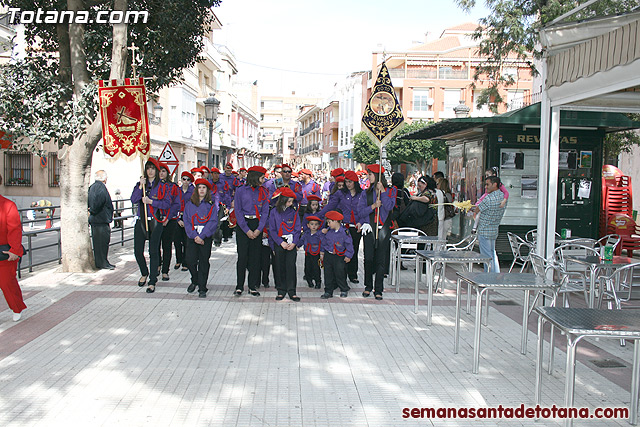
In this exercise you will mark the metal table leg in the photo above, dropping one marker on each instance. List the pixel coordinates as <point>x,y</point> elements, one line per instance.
<point>470,269</point>
<point>539,356</point>
<point>415,296</point>
<point>457,329</point>
<point>635,384</point>
<point>570,376</point>
<point>525,319</point>
<point>429,266</point>
<point>478,326</point>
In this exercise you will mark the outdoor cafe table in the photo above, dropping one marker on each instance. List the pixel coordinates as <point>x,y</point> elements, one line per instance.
<point>483,282</point>
<point>578,323</point>
<point>445,257</point>
<point>595,264</point>
<point>398,240</point>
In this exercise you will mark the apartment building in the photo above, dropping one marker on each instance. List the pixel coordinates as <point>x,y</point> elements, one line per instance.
<point>432,78</point>
<point>278,115</point>
<point>330,136</point>
<point>310,137</point>
<point>352,97</point>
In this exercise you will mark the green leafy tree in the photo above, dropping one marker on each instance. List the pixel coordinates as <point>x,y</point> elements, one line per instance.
<point>620,142</point>
<point>364,149</point>
<point>51,95</point>
<point>512,28</point>
<point>418,152</point>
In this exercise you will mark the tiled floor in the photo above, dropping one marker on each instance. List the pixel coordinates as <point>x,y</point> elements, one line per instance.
<point>97,350</point>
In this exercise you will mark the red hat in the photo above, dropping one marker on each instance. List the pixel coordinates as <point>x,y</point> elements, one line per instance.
<point>214,170</point>
<point>339,178</point>
<point>154,162</point>
<point>287,192</point>
<point>243,169</point>
<point>313,218</point>
<point>257,169</point>
<point>334,215</point>
<point>361,173</point>
<point>337,172</point>
<point>204,168</point>
<point>284,165</point>
<point>164,166</point>
<point>234,172</point>
<point>277,167</point>
<point>351,176</point>
<point>375,168</point>
<point>228,165</point>
<point>306,171</point>
<point>188,175</point>
<point>201,181</point>
<point>294,174</point>
<point>311,197</point>
<point>194,170</point>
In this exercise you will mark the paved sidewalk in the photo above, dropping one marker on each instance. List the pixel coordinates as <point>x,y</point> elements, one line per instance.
<point>96,350</point>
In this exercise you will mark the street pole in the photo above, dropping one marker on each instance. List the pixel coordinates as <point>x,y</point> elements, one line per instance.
<point>210,154</point>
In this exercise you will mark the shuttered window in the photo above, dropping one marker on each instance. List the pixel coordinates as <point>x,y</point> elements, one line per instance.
<point>18,169</point>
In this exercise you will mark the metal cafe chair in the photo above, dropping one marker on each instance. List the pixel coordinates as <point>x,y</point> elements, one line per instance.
<point>576,275</point>
<point>397,255</point>
<point>465,244</point>
<point>520,249</point>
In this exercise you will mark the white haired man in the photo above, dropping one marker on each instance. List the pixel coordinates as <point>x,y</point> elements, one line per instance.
<point>100,215</point>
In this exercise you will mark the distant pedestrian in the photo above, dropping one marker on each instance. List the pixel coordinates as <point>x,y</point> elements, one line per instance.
<point>10,253</point>
<point>170,221</point>
<point>445,226</point>
<point>31,215</point>
<point>490,212</point>
<point>100,216</point>
<point>118,223</point>
<point>490,172</point>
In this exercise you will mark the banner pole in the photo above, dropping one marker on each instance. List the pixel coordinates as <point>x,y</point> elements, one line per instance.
<point>377,192</point>
<point>144,194</point>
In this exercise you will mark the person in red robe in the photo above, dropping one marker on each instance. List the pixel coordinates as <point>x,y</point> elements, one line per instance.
<point>11,234</point>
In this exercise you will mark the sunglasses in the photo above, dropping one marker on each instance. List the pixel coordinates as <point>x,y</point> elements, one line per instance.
<point>286,172</point>
<point>184,178</point>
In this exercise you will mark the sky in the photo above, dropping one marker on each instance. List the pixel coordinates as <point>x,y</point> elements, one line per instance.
<point>304,46</point>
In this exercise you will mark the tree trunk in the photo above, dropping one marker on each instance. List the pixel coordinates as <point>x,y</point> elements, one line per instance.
<point>77,255</point>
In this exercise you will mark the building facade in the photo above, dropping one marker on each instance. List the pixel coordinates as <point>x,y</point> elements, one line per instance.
<point>352,97</point>
<point>330,135</point>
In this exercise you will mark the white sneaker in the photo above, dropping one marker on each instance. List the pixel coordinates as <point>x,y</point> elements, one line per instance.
<point>16,316</point>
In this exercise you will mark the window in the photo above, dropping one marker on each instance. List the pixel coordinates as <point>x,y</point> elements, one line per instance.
<point>18,169</point>
<point>202,159</point>
<point>515,99</point>
<point>510,72</point>
<point>53,164</point>
<point>451,99</point>
<point>421,100</point>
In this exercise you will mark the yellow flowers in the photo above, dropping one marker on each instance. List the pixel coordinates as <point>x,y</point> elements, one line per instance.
<point>463,206</point>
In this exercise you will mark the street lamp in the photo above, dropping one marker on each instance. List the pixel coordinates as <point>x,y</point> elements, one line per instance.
<point>211,106</point>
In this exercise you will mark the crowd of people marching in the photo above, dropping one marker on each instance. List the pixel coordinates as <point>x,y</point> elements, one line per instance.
<point>275,213</point>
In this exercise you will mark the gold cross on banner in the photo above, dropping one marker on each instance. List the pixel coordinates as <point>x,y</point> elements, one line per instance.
<point>134,58</point>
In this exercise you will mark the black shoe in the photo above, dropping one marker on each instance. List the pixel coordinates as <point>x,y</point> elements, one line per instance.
<point>354,280</point>
<point>402,267</point>
<point>225,240</point>
<point>318,285</point>
<point>184,268</point>
<point>108,267</point>
<point>111,265</point>
<point>165,277</point>
<point>366,293</point>
<point>191,288</point>
<point>279,297</point>
<point>326,295</point>
<point>266,285</point>
<point>254,293</point>
<point>295,298</point>
<point>202,294</point>
<point>237,292</point>
<point>151,289</point>
<point>218,244</point>
<point>310,284</point>
<point>343,294</point>
<point>142,281</point>
<point>177,266</point>
<point>378,297</point>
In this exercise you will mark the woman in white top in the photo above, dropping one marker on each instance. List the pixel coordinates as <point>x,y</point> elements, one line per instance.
<point>444,225</point>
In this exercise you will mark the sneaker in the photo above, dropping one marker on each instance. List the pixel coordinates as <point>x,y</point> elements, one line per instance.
<point>191,288</point>
<point>343,294</point>
<point>16,316</point>
<point>326,295</point>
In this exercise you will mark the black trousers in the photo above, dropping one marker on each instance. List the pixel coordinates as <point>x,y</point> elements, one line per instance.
<point>285,263</point>
<point>335,273</point>
<point>352,266</point>
<point>376,259</point>
<point>312,268</point>
<point>226,231</point>
<point>180,243</point>
<point>197,260</point>
<point>154,237</point>
<point>265,262</point>
<point>167,240</point>
<point>248,249</point>
<point>100,236</point>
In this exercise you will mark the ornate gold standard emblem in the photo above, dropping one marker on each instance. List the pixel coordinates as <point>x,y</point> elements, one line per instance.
<point>383,115</point>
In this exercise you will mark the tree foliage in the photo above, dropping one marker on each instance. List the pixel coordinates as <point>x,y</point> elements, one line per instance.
<point>364,149</point>
<point>418,152</point>
<point>621,142</point>
<point>512,28</point>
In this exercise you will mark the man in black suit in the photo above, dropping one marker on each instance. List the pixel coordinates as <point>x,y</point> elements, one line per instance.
<point>100,215</point>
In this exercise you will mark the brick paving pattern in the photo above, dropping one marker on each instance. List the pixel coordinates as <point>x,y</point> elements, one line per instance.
<point>95,349</point>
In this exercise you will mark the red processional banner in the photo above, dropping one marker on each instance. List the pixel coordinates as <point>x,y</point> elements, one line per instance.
<point>125,124</point>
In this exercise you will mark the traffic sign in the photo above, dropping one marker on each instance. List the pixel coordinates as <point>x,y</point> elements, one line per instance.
<point>168,156</point>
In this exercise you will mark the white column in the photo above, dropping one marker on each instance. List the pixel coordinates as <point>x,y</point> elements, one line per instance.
<point>543,172</point>
<point>552,195</point>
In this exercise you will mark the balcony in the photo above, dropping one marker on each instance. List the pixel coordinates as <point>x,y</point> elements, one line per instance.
<point>309,148</point>
<point>446,73</point>
<point>422,73</point>
<point>312,126</point>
